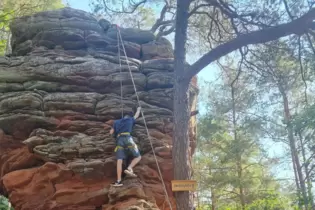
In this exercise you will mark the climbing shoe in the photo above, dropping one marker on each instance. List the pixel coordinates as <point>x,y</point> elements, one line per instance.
<point>129,172</point>
<point>117,184</point>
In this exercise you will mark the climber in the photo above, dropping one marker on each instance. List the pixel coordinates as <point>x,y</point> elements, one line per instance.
<point>124,143</point>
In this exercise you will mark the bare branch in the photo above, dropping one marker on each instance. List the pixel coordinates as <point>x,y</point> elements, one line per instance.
<point>287,9</point>
<point>162,24</point>
<point>163,32</point>
<point>195,9</point>
<point>160,21</point>
<point>302,69</point>
<point>298,26</point>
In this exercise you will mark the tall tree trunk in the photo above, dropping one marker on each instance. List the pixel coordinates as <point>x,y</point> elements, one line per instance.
<point>238,155</point>
<point>213,194</point>
<point>296,177</point>
<point>182,168</point>
<point>241,188</point>
<point>295,157</point>
<point>213,199</point>
<point>306,169</point>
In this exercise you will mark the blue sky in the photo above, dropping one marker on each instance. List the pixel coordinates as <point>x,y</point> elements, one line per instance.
<point>79,4</point>
<point>208,74</point>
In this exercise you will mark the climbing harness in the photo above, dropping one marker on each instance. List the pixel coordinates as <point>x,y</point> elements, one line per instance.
<point>142,114</point>
<point>120,147</point>
<point>128,147</point>
<point>124,134</point>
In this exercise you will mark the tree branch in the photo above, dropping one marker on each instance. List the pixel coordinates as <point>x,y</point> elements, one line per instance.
<point>310,43</point>
<point>286,5</point>
<point>302,70</point>
<point>160,21</point>
<point>162,24</point>
<point>298,26</point>
<point>163,32</point>
<point>193,113</point>
<point>194,10</point>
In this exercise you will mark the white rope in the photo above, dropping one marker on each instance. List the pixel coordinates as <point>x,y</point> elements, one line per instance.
<point>120,67</point>
<point>145,123</point>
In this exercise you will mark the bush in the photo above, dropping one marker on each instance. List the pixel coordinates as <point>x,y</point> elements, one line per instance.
<point>4,203</point>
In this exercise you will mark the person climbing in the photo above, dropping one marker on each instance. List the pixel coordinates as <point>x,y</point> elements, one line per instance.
<point>124,143</point>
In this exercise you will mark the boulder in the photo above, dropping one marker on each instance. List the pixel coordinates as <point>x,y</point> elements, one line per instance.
<point>131,34</point>
<point>105,24</point>
<point>61,91</point>
<point>160,48</point>
<point>70,29</point>
<point>158,65</point>
<point>160,80</point>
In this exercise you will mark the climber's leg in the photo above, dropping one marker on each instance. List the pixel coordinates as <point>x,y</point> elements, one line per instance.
<point>119,169</point>
<point>133,148</point>
<point>134,162</point>
<point>126,163</point>
<point>120,155</point>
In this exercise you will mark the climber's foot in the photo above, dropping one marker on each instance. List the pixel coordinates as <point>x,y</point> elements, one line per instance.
<point>117,184</point>
<point>129,172</point>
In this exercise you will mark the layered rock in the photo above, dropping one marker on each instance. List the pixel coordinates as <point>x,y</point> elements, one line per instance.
<point>59,94</point>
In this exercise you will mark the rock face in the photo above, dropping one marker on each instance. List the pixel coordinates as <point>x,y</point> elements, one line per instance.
<point>59,94</point>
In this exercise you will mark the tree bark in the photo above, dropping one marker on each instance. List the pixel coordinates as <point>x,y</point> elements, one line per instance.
<point>182,168</point>
<point>296,177</point>
<point>295,157</point>
<point>306,169</point>
<point>213,199</point>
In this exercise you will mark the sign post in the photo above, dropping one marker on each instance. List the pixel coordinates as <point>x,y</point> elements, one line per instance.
<point>184,185</point>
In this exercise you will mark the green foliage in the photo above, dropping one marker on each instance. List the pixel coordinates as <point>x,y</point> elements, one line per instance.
<point>230,162</point>
<point>270,202</point>
<point>4,204</point>
<point>11,9</point>
<point>142,17</point>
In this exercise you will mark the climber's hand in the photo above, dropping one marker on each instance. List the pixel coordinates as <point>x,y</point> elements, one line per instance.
<point>111,131</point>
<point>137,113</point>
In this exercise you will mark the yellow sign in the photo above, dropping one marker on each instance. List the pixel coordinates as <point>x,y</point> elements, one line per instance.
<point>184,185</point>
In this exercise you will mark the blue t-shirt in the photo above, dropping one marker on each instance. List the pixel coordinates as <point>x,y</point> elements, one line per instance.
<point>124,125</point>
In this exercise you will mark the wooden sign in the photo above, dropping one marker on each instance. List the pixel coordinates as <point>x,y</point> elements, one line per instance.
<point>184,185</point>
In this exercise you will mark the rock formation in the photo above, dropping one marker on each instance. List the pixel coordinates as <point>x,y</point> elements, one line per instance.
<point>59,94</point>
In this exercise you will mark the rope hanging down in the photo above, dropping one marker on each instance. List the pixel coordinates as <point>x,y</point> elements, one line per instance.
<point>121,85</point>
<point>144,121</point>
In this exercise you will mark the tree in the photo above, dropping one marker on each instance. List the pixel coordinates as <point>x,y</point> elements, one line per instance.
<point>242,25</point>
<point>233,170</point>
<point>303,126</point>
<point>11,9</point>
<point>277,68</point>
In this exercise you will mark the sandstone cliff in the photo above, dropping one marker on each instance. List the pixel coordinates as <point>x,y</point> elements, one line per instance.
<point>59,94</point>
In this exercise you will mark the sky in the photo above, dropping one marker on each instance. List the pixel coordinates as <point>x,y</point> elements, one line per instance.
<point>207,74</point>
